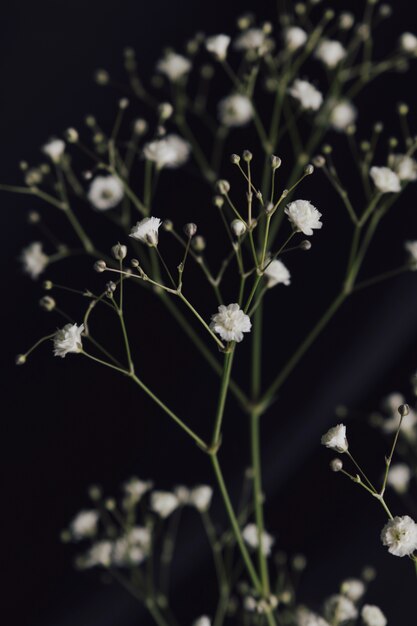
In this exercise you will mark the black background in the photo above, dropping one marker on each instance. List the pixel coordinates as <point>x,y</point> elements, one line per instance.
<point>67,424</point>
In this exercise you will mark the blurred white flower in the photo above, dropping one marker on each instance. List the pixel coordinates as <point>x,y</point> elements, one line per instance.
<point>54,149</point>
<point>399,477</point>
<point>251,536</point>
<point>34,260</point>
<point>230,322</point>
<point>276,273</point>
<point>339,609</point>
<point>308,96</point>
<point>305,617</point>
<point>146,230</point>
<point>400,536</point>
<point>335,438</point>
<point>353,588</point>
<point>342,115</point>
<point>105,192</point>
<point>408,42</point>
<point>183,494</point>
<point>303,216</point>
<point>202,621</point>
<point>135,489</point>
<point>238,228</point>
<point>390,423</point>
<point>163,503</point>
<point>100,553</point>
<point>251,39</point>
<point>217,45</point>
<point>373,616</point>
<point>171,151</point>
<point>411,247</point>
<point>385,179</point>
<point>330,53</point>
<point>68,339</point>
<point>174,66</point>
<point>132,548</point>
<point>294,37</point>
<point>84,525</point>
<point>404,166</point>
<point>200,497</point>
<point>235,110</point>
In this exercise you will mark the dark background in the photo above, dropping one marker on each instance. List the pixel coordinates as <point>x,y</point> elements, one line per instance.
<point>67,424</point>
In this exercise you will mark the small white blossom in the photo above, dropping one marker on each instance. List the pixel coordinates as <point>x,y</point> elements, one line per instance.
<point>147,230</point>
<point>373,616</point>
<point>163,503</point>
<point>132,548</point>
<point>183,494</point>
<point>251,536</point>
<point>105,192</point>
<point>84,524</point>
<point>174,66</point>
<point>411,247</point>
<point>339,609</point>
<point>200,497</point>
<point>238,227</point>
<point>335,438</point>
<point>217,45</point>
<point>305,617</point>
<point>353,588</point>
<point>251,39</point>
<point>276,273</point>
<point>342,115</point>
<point>385,179</point>
<point>135,489</point>
<point>330,53</point>
<point>54,149</point>
<point>303,216</point>
<point>100,553</point>
<point>399,477</point>
<point>400,536</point>
<point>34,260</point>
<point>308,96</point>
<point>404,166</point>
<point>235,110</point>
<point>230,322</point>
<point>408,42</point>
<point>171,151</point>
<point>68,339</point>
<point>294,37</point>
<point>202,621</point>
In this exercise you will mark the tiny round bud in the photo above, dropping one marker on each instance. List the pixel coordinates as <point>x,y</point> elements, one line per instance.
<point>100,266</point>
<point>319,161</point>
<point>101,77</point>
<point>199,243</point>
<point>365,146</point>
<point>71,135</point>
<point>247,156</point>
<point>23,165</point>
<point>123,103</point>
<point>110,504</point>
<point>95,492</point>
<point>269,208</point>
<point>238,228</point>
<point>299,562</point>
<point>336,465</point>
<point>47,303</point>
<point>165,111</point>
<point>327,149</point>
<point>403,108</point>
<point>207,71</point>
<point>275,162</point>
<point>404,410</point>
<point>190,230</point>
<point>235,159</point>
<point>329,14</point>
<point>47,285</point>
<point>90,121</point>
<point>346,20</point>
<point>305,245</point>
<point>167,225</point>
<point>140,126</point>
<point>368,573</point>
<point>393,142</point>
<point>218,201</point>
<point>378,127</point>
<point>119,251</point>
<point>309,169</point>
<point>385,10</point>
<point>34,217</point>
<point>223,186</point>
<point>134,263</point>
<point>111,287</point>
<point>20,359</point>
<point>87,174</point>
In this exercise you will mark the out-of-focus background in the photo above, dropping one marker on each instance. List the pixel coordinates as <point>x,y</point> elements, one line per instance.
<point>67,424</point>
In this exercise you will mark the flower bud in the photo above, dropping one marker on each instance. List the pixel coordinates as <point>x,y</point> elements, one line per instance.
<point>403,108</point>
<point>238,228</point>
<point>100,266</point>
<point>140,126</point>
<point>223,187</point>
<point>20,359</point>
<point>123,103</point>
<point>199,243</point>
<point>102,77</point>
<point>235,159</point>
<point>47,303</point>
<point>165,110</point>
<point>269,208</point>
<point>95,492</point>
<point>247,156</point>
<point>305,245</point>
<point>218,201</point>
<point>110,504</point>
<point>319,161</point>
<point>134,263</point>
<point>190,230</point>
<point>275,162</point>
<point>47,285</point>
<point>71,135</point>
<point>111,287</point>
<point>309,169</point>
<point>167,225</point>
<point>404,410</point>
<point>336,465</point>
<point>34,217</point>
<point>119,251</point>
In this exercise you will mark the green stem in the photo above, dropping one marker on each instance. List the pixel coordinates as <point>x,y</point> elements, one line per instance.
<point>224,387</point>
<point>200,319</point>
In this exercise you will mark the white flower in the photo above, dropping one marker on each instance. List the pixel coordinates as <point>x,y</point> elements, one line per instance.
<point>135,489</point>
<point>400,536</point>
<point>305,617</point>
<point>353,588</point>
<point>238,228</point>
<point>408,42</point>
<point>303,216</point>
<point>294,37</point>
<point>68,339</point>
<point>308,96</point>
<point>399,477</point>
<point>385,179</point>
<point>200,497</point>
<point>339,609</point>
<point>276,273</point>
<point>163,503</point>
<point>84,524</point>
<point>342,115</point>
<point>235,110</point>
<point>171,151</point>
<point>251,39</point>
<point>105,192</point>
<point>373,616</point>
<point>100,553</point>
<point>230,322</point>
<point>330,53</point>
<point>335,438</point>
<point>411,247</point>
<point>217,45</point>
<point>133,547</point>
<point>174,66</point>
<point>183,494</point>
<point>251,535</point>
<point>34,259</point>
<point>202,621</point>
<point>404,166</point>
<point>147,230</point>
<point>54,149</point>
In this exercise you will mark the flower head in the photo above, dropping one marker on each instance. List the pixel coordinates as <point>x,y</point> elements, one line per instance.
<point>330,53</point>
<point>174,66</point>
<point>294,38</point>
<point>235,110</point>
<point>373,616</point>
<point>171,151</point>
<point>217,45</point>
<point>54,149</point>
<point>277,274</point>
<point>404,166</point>
<point>399,477</point>
<point>200,497</point>
<point>147,230</point>
<point>251,536</point>
<point>135,488</point>
<point>335,438</point>
<point>250,39</point>
<point>84,525</point>
<point>305,617</point>
<point>132,548</point>
<point>204,620</point>
<point>385,179</point>
<point>303,216</point>
<point>230,322</point>
<point>353,588</point>
<point>308,96</point>
<point>400,536</point>
<point>100,553</point>
<point>342,115</point>
<point>105,192</point>
<point>163,503</point>
<point>68,339</point>
<point>339,609</point>
<point>408,43</point>
<point>34,260</point>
